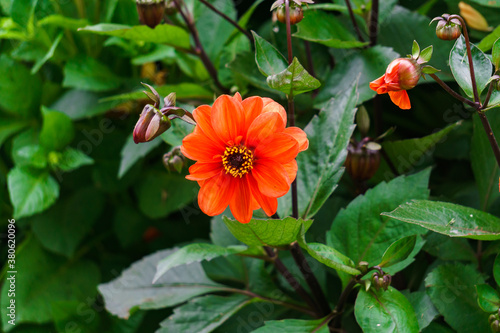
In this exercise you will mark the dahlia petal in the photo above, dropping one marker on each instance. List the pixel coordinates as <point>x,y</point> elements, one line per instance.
<point>202,171</point>
<point>299,135</point>
<point>202,115</point>
<point>198,147</point>
<point>263,127</point>
<point>401,99</point>
<point>252,107</point>
<point>216,193</point>
<point>271,178</point>
<point>281,148</point>
<point>228,119</point>
<point>272,106</point>
<point>269,205</point>
<point>237,97</point>
<point>241,202</point>
<point>291,170</point>
<point>376,84</point>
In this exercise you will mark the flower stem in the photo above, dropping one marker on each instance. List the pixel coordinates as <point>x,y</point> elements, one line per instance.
<point>469,56</point>
<point>291,280</point>
<point>488,95</point>
<point>311,280</point>
<point>353,20</point>
<point>374,23</point>
<point>199,47</point>
<point>227,18</point>
<point>454,93</point>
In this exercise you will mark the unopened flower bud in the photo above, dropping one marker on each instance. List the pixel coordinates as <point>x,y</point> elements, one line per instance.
<point>495,326</point>
<point>448,30</point>
<point>409,72</point>
<point>151,124</point>
<point>174,160</point>
<point>492,318</point>
<point>362,160</point>
<point>296,14</point>
<point>150,12</point>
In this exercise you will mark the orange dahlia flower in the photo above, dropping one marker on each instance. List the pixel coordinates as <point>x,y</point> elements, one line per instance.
<point>245,155</point>
<point>402,74</point>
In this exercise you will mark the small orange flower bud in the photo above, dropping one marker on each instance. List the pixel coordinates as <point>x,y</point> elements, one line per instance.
<point>448,30</point>
<point>296,14</point>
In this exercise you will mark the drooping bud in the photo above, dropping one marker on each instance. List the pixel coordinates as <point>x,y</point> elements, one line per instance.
<point>150,11</point>
<point>473,18</point>
<point>174,160</point>
<point>151,124</point>
<point>448,30</point>
<point>363,159</point>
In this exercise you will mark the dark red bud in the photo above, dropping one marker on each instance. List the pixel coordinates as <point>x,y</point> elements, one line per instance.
<point>150,125</point>
<point>361,162</point>
<point>150,12</point>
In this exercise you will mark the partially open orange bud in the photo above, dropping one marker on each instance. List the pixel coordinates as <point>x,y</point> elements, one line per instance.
<point>402,74</point>
<point>448,30</point>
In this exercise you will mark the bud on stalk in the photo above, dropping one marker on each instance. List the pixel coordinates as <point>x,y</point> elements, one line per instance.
<point>150,125</point>
<point>448,30</point>
<point>150,12</point>
<point>363,159</point>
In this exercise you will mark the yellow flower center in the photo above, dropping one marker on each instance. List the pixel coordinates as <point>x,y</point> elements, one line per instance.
<point>237,160</point>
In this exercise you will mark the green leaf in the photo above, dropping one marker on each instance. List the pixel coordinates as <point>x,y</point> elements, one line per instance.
<point>488,3</point>
<point>487,298</point>
<point>330,32</point>
<point>385,312</point>
<point>370,234</point>
<point>426,54</point>
<point>31,155</point>
<point>272,232</point>
<point>415,50</point>
<point>448,248</point>
<point>328,256</point>
<point>72,159</point>
<point>22,12</point>
<point>429,70</point>
<point>182,91</point>
<point>10,126</point>
<point>294,80</point>
<point>132,152</point>
<point>459,64</point>
<point>487,42</point>
<point>86,73</point>
<point>398,251</point>
<point>20,92</point>
<point>321,165</point>
<point>177,133</point>
<point>51,279</point>
<point>295,326</point>
<point>62,22</point>
<point>245,71</point>
<point>50,53</point>
<point>204,314</point>
<point>424,309</point>
<point>57,129</point>
<point>364,65</point>
<point>81,104</point>
<point>269,60</point>
<point>162,34</point>
<point>452,290</point>
<point>419,244</point>
<point>134,290</point>
<point>195,253</point>
<point>63,227</point>
<point>448,219</point>
<point>483,162</point>
<point>161,193</point>
<point>496,270</point>
<point>495,54</point>
<point>31,191</point>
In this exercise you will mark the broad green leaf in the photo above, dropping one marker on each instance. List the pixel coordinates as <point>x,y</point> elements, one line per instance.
<point>496,270</point>
<point>50,279</point>
<point>459,64</point>
<point>269,60</point>
<point>245,71</point>
<point>177,133</point>
<point>328,256</point>
<point>448,219</point>
<point>31,191</point>
<point>81,104</point>
<point>488,3</point>
<point>398,251</point>
<point>182,91</point>
<point>86,73</point>
<point>161,193</point>
<point>31,155</point>
<point>424,309</point>
<point>369,233</point>
<point>204,314</point>
<point>385,312</point>
<point>330,32</point>
<point>295,326</point>
<point>20,92</point>
<point>22,11</point>
<point>63,227</point>
<point>71,159</point>
<point>483,162</point>
<point>321,165</point>
<point>64,316</point>
<point>162,34</point>
<point>194,253</point>
<point>452,290</point>
<point>419,244</point>
<point>293,80</point>
<point>487,298</point>
<point>62,22</point>
<point>9,126</point>
<point>364,65</point>
<point>495,54</point>
<point>487,42</point>
<point>57,130</point>
<point>134,290</point>
<point>132,152</point>
<point>272,232</point>
<point>449,248</point>
<point>50,53</point>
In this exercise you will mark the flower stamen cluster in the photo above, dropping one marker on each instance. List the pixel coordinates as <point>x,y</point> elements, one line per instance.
<point>237,160</point>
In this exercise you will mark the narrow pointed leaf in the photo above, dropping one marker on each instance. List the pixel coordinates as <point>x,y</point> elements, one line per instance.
<point>295,326</point>
<point>398,251</point>
<point>487,298</point>
<point>294,80</point>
